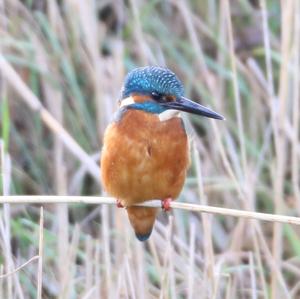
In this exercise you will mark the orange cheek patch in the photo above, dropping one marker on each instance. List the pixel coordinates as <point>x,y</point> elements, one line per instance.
<point>141,98</point>
<point>170,98</point>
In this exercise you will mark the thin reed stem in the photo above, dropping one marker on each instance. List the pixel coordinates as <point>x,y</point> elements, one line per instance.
<point>46,199</point>
<point>40,263</point>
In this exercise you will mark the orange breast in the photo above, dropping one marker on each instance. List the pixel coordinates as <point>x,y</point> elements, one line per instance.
<point>144,158</point>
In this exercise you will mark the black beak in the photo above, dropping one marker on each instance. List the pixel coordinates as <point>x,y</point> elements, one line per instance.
<point>184,104</point>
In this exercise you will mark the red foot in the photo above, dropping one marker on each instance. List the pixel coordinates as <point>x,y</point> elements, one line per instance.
<point>119,204</point>
<point>165,204</point>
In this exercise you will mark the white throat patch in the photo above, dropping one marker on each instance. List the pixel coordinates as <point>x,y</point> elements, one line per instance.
<point>168,114</point>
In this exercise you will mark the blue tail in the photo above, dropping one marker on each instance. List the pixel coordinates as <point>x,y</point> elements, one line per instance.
<point>143,237</point>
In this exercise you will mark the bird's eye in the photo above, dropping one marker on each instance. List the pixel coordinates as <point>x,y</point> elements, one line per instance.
<point>156,96</point>
<point>162,98</point>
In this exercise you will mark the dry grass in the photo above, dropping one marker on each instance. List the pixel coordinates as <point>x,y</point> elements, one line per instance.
<point>61,69</point>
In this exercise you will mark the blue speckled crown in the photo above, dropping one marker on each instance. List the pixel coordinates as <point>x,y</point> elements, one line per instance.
<point>149,79</point>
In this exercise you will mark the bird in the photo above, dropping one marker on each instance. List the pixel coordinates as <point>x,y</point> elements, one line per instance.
<point>145,152</point>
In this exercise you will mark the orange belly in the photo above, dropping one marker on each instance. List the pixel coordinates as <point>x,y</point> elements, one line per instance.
<point>144,158</point>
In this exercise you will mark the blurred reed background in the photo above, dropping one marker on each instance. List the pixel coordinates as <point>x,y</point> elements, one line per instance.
<point>240,58</point>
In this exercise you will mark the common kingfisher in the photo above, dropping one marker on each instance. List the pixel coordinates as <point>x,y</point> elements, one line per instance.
<point>145,151</point>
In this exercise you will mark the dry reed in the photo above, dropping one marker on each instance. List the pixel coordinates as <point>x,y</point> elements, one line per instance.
<point>46,199</point>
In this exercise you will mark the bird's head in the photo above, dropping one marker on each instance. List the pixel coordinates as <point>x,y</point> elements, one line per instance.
<point>155,90</point>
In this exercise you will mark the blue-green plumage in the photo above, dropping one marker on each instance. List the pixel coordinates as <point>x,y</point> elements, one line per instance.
<point>143,237</point>
<point>151,107</point>
<point>152,79</point>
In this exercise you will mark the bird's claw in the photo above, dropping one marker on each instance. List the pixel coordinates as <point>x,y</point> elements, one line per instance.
<point>119,203</point>
<point>166,204</point>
